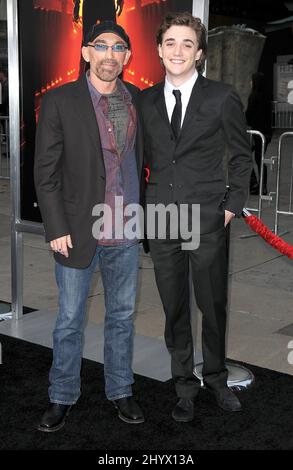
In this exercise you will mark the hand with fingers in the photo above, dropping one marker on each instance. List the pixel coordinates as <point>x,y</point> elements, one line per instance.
<point>61,245</point>
<point>228,217</point>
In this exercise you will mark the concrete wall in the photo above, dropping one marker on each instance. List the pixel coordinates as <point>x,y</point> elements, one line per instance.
<point>233,56</point>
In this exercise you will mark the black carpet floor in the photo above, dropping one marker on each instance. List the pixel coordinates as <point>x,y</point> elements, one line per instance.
<point>266,422</point>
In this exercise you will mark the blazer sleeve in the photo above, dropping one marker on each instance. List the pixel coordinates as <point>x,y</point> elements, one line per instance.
<point>48,170</point>
<point>239,152</point>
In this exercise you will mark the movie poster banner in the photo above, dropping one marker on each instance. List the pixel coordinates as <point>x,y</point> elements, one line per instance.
<point>50,38</point>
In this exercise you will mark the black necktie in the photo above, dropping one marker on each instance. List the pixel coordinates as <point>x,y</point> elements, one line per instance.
<point>177,113</point>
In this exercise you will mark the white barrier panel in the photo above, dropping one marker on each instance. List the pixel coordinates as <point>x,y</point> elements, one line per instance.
<point>279,188</point>
<point>269,161</point>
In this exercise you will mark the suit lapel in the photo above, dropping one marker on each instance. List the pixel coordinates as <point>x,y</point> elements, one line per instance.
<point>85,109</point>
<point>196,98</point>
<point>159,101</point>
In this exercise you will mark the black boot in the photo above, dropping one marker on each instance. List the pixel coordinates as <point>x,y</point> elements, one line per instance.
<point>128,410</point>
<point>184,410</point>
<point>54,417</point>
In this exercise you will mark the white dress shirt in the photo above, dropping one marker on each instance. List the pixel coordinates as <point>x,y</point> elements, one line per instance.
<point>185,88</point>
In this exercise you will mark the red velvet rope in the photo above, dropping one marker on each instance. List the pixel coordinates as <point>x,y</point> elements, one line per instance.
<point>274,240</point>
<point>260,228</point>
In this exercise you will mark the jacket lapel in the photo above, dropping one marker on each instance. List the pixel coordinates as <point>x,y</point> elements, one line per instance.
<point>85,109</point>
<point>159,101</point>
<point>196,98</point>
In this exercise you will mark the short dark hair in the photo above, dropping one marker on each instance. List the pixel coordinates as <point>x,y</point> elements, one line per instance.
<point>186,19</point>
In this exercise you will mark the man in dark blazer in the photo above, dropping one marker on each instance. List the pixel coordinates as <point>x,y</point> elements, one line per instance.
<point>189,121</point>
<point>89,152</point>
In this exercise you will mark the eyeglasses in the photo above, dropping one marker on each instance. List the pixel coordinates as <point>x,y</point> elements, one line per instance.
<point>100,47</point>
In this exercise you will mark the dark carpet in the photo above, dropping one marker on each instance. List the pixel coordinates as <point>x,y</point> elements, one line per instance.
<point>266,422</point>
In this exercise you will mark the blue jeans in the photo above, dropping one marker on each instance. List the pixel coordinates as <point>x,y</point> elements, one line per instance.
<point>119,271</point>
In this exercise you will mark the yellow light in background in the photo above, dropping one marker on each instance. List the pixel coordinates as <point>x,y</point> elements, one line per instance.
<point>80,8</point>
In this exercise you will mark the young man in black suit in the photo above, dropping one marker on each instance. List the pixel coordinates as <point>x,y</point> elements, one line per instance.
<point>88,152</point>
<point>189,121</point>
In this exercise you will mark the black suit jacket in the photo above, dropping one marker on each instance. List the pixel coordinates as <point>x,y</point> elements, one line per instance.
<point>69,167</point>
<point>191,170</point>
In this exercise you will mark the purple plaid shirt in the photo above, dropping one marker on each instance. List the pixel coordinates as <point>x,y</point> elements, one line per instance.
<point>121,170</point>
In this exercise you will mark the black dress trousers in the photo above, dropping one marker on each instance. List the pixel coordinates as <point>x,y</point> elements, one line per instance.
<point>209,266</point>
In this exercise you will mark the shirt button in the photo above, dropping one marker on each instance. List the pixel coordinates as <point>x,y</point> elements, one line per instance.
<point>109,129</point>
<point>179,186</point>
<point>174,161</point>
<point>170,185</point>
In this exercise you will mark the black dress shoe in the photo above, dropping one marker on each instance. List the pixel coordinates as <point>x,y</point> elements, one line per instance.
<point>184,410</point>
<point>128,410</point>
<point>226,399</point>
<point>54,417</point>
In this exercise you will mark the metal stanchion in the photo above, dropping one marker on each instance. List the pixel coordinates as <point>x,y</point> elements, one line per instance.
<point>279,161</point>
<point>261,197</point>
<point>239,377</point>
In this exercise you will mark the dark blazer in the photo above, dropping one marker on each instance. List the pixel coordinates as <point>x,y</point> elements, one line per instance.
<point>69,167</point>
<point>190,170</point>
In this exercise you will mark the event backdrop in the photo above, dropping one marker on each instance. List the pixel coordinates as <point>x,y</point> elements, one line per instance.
<point>50,37</point>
